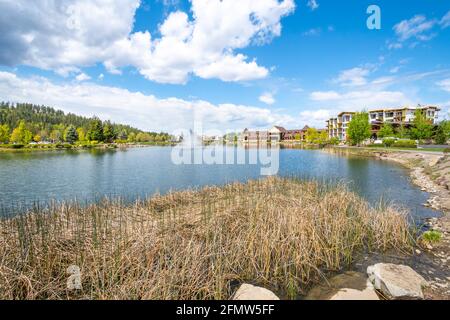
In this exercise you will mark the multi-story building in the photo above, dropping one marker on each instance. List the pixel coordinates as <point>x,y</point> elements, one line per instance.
<point>337,127</point>
<point>274,135</point>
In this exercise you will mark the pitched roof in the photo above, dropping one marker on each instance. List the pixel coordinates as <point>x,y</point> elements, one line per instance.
<point>280,128</point>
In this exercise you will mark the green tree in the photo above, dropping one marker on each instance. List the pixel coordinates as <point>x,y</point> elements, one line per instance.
<point>311,135</point>
<point>131,137</point>
<point>403,132</point>
<point>323,137</point>
<point>422,127</point>
<point>109,135</point>
<point>386,131</point>
<point>95,132</point>
<point>81,134</point>
<point>359,128</point>
<point>123,135</point>
<point>4,133</point>
<point>71,134</point>
<point>56,136</point>
<point>334,141</point>
<point>143,137</point>
<point>21,134</point>
<point>44,135</point>
<point>443,132</point>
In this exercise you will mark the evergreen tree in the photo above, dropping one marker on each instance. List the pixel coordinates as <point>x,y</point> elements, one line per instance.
<point>109,135</point>
<point>71,134</point>
<point>95,132</point>
<point>359,128</point>
<point>442,132</point>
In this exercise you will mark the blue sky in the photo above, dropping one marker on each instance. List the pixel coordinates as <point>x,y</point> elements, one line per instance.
<point>234,64</point>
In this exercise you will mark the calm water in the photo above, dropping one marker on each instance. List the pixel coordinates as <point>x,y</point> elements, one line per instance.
<point>26,178</point>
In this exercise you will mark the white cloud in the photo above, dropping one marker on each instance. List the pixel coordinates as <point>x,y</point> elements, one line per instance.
<point>70,34</point>
<point>82,77</point>
<point>445,21</point>
<point>358,100</point>
<point>324,95</point>
<point>313,32</point>
<point>232,68</point>
<point>312,4</point>
<point>267,98</point>
<point>353,77</point>
<point>395,69</point>
<point>135,108</point>
<point>444,84</point>
<point>416,27</point>
<point>394,45</point>
<point>315,118</point>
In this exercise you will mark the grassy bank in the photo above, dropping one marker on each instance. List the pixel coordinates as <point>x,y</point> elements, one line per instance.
<point>283,234</point>
<point>83,146</point>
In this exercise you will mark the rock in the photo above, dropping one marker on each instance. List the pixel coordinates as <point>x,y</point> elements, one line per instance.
<point>418,251</point>
<point>352,294</point>
<point>347,286</point>
<point>396,281</point>
<point>249,292</point>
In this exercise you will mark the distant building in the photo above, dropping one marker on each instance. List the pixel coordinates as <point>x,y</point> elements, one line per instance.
<point>275,135</point>
<point>337,127</point>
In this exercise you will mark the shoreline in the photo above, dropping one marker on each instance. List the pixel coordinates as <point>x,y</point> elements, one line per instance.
<point>429,172</point>
<point>65,147</point>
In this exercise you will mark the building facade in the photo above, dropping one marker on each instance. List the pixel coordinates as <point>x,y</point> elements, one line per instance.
<point>338,127</point>
<point>275,135</point>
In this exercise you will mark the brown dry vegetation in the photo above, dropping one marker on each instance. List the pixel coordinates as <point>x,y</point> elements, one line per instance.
<point>283,234</point>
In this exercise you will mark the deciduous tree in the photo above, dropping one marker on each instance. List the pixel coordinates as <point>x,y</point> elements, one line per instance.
<point>21,134</point>
<point>359,128</point>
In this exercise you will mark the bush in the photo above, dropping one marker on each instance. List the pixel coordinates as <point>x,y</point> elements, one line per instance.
<point>388,142</point>
<point>431,236</point>
<point>405,144</point>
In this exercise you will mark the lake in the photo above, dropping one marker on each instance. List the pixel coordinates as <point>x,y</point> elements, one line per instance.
<point>27,178</point>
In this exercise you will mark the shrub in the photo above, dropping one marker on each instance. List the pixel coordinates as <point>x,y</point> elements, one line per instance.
<point>388,142</point>
<point>405,144</point>
<point>431,236</point>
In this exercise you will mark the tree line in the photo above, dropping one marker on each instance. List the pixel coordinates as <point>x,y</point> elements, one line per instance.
<point>359,129</point>
<point>24,123</point>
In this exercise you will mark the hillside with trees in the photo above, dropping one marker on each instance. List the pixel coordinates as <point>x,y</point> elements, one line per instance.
<point>21,124</point>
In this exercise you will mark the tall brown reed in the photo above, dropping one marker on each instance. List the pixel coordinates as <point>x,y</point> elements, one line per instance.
<point>283,234</point>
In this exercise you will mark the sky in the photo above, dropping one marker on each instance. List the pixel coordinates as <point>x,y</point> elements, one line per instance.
<point>164,65</point>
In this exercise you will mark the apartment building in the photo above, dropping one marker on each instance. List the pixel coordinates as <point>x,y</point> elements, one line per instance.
<point>274,135</point>
<point>337,127</point>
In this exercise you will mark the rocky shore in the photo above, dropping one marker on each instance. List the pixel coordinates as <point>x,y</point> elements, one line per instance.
<point>431,172</point>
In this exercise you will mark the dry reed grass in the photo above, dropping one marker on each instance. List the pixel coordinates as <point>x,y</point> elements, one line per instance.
<point>283,234</point>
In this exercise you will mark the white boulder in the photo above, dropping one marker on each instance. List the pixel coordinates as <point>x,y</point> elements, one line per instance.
<point>396,281</point>
<point>250,292</point>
